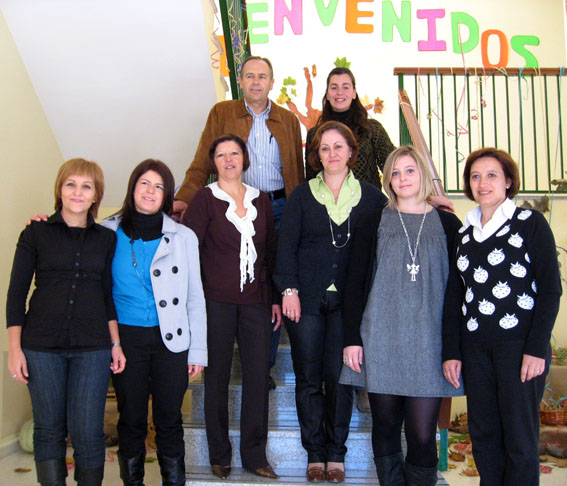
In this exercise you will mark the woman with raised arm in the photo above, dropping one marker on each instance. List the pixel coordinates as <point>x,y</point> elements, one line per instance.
<point>393,313</point>
<point>314,248</point>
<point>63,343</point>
<point>501,304</point>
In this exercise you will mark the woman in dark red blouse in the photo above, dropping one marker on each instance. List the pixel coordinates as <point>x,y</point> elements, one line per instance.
<point>237,244</point>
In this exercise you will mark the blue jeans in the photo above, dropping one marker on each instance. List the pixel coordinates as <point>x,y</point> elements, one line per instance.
<point>68,395</point>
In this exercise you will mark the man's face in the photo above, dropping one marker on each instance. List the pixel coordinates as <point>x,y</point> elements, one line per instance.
<point>256,82</point>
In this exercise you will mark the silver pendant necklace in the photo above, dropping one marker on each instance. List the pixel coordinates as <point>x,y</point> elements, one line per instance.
<point>413,269</point>
<point>333,235</point>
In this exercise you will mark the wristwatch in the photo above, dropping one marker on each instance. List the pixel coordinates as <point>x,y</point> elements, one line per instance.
<point>290,292</point>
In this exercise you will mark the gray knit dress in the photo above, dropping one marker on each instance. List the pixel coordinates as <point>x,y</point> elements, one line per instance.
<point>401,325</point>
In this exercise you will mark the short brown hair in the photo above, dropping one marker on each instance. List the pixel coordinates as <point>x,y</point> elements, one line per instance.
<point>508,164</point>
<point>228,137</point>
<point>83,168</point>
<point>256,58</point>
<point>313,149</point>
<point>426,179</point>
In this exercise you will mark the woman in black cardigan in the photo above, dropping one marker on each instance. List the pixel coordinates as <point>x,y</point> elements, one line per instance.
<point>313,253</point>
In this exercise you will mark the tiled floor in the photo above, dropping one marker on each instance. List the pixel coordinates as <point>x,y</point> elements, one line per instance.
<point>8,476</point>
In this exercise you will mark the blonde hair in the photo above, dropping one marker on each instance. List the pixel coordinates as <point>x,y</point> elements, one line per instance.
<point>83,168</point>
<point>426,189</point>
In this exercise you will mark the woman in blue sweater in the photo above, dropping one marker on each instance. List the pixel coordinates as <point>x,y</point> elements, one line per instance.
<point>313,253</point>
<point>160,304</point>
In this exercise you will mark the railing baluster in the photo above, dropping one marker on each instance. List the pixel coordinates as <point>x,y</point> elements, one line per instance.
<point>547,129</point>
<point>560,124</point>
<point>495,111</point>
<point>469,125</point>
<point>481,82</point>
<point>429,117</point>
<point>535,135</point>
<point>456,125</point>
<point>521,134</point>
<point>445,180</point>
<point>508,114</point>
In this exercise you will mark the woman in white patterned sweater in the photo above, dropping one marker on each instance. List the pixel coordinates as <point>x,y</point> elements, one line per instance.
<point>501,303</point>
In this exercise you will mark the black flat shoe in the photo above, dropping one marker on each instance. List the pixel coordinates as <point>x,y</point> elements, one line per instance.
<point>221,472</point>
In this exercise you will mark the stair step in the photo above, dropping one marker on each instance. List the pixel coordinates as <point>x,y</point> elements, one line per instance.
<point>281,406</point>
<point>284,447</point>
<point>288,477</point>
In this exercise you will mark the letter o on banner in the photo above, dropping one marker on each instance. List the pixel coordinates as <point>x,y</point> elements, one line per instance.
<point>503,58</point>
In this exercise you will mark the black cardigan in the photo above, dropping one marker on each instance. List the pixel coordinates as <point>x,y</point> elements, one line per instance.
<point>306,258</point>
<point>361,269</point>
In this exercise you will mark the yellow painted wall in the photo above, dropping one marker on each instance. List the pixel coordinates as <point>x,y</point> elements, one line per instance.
<point>29,157</point>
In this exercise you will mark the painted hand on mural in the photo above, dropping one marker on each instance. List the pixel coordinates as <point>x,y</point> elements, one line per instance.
<point>310,119</point>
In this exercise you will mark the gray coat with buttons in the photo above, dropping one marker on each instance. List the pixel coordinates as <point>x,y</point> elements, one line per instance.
<point>178,291</point>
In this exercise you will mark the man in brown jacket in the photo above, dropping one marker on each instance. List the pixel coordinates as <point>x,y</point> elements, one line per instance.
<point>271,133</point>
<point>273,139</point>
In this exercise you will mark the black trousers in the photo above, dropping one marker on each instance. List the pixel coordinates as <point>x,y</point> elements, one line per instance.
<point>324,412</point>
<point>150,369</point>
<point>503,413</point>
<point>250,325</point>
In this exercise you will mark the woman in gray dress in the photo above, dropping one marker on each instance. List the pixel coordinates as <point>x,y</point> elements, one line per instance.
<point>392,319</point>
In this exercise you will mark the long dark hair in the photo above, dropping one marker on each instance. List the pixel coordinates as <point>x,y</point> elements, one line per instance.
<point>356,118</point>
<point>129,208</point>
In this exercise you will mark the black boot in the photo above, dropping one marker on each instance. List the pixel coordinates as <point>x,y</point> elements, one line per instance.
<point>132,469</point>
<point>420,476</point>
<point>390,470</point>
<point>89,476</point>
<point>172,470</point>
<point>52,472</point>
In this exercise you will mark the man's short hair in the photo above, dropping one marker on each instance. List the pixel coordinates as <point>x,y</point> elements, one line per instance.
<point>257,58</point>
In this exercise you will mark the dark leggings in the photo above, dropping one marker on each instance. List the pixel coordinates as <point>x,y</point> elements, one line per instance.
<point>420,416</point>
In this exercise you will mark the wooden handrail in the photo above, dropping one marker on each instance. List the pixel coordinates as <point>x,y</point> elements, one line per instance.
<point>480,71</point>
<point>419,141</point>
